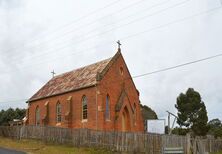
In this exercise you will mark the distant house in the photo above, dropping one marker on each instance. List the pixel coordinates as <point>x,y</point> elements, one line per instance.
<point>16,122</point>
<point>101,96</point>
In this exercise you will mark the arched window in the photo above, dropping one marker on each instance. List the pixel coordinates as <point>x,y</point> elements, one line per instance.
<point>107,113</point>
<point>37,116</point>
<point>84,108</point>
<point>58,112</point>
<point>135,114</point>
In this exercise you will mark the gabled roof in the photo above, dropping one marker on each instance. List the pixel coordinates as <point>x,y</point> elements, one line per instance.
<point>74,80</point>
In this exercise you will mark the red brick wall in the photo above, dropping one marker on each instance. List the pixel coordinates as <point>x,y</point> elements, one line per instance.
<point>76,118</point>
<point>112,84</point>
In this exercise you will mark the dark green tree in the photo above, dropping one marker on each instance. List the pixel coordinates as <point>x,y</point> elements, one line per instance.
<point>148,113</point>
<point>215,126</point>
<point>180,131</point>
<point>215,123</point>
<point>192,112</point>
<point>10,114</point>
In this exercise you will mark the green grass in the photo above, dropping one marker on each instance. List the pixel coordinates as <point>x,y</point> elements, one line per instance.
<point>217,153</point>
<point>36,147</point>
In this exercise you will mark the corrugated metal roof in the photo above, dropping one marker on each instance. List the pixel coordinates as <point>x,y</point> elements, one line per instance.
<point>76,79</point>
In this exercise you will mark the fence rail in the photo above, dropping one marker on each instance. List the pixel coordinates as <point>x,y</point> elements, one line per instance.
<point>115,141</point>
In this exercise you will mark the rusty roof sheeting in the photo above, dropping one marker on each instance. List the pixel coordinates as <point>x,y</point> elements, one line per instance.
<point>76,79</point>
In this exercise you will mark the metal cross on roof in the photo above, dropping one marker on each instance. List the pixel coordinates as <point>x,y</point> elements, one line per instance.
<point>53,73</point>
<point>119,44</point>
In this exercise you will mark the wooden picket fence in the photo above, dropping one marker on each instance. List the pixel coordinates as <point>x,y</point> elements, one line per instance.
<point>114,141</point>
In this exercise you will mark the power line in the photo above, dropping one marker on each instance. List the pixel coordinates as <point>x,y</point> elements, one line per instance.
<point>149,30</point>
<point>74,21</point>
<point>173,22</point>
<point>136,20</point>
<point>106,16</point>
<point>154,72</point>
<point>144,32</point>
<point>91,31</point>
<point>177,66</point>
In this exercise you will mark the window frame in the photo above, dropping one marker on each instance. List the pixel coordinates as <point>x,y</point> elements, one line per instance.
<point>37,116</point>
<point>84,108</point>
<point>107,108</point>
<point>58,112</point>
<point>135,113</point>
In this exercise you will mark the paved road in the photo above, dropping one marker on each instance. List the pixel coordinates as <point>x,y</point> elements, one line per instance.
<point>8,151</point>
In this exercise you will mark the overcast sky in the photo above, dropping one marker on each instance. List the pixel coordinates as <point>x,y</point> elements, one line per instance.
<point>38,36</point>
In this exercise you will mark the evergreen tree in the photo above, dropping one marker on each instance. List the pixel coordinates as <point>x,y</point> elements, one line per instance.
<point>148,113</point>
<point>215,126</point>
<point>10,114</point>
<point>180,131</point>
<point>192,112</point>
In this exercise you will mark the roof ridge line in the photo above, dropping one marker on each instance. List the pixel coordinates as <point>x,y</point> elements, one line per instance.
<point>81,67</point>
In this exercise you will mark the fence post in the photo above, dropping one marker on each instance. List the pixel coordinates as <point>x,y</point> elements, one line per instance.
<point>188,143</point>
<point>21,132</point>
<point>209,143</point>
<point>117,141</point>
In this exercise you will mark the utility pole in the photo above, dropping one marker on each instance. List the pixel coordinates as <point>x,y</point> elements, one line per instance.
<point>168,122</point>
<point>169,126</point>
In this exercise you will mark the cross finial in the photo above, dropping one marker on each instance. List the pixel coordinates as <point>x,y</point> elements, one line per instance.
<point>53,73</point>
<point>119,44</point>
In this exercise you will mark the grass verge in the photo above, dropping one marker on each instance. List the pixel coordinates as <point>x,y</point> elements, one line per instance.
<point>36,147</point>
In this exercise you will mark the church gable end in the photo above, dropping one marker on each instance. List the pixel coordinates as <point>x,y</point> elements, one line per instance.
<point>117,82</point>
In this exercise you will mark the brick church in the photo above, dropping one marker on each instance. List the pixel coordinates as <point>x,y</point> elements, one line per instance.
<point>100,96</point>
